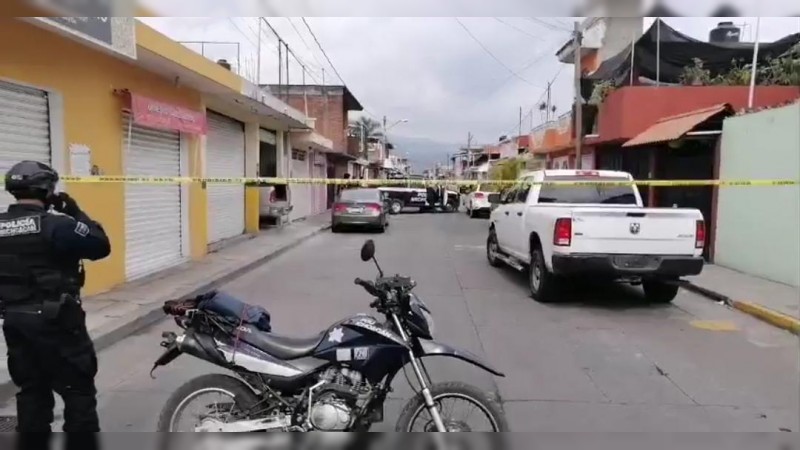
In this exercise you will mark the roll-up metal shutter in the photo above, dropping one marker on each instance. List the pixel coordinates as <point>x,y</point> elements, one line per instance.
<point>153,226</point>
<point>225,158</point>
<point>301,193</point>
<point>24,129</point>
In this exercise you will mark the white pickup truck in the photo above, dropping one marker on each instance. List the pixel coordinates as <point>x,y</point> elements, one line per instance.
<point>593,231</point>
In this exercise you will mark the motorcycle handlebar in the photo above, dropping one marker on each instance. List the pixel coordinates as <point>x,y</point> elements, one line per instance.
<point>368,286</point>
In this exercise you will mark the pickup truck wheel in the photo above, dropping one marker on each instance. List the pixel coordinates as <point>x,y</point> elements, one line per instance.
<point>492,249</point>
<point>659,291</point>
<point>542,283</point>
<point>396,207</point>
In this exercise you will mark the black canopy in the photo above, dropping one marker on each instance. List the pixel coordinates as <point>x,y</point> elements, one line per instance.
<point>678,51</point>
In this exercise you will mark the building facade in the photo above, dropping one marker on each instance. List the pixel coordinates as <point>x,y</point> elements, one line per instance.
<point>161,111</point>
<point>329,108</point>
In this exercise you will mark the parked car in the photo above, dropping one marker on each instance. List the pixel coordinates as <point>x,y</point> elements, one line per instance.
<point>407,197</point>
<point>593,231</point>
<point>477,202</point>
<point>361,208</point>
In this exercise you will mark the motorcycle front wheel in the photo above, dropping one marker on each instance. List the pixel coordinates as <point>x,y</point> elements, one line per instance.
<point>416,417</point>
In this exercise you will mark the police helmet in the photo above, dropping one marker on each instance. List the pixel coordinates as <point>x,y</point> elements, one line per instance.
<point>31,180</point>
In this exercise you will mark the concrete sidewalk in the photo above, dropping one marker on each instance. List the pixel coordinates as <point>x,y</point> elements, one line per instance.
<point>114,315</point>
<point>776,303</point>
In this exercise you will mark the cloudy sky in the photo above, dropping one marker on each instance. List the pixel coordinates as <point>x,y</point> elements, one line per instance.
<point>433,71</point>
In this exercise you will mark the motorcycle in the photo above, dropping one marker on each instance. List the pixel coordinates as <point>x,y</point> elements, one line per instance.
<point>337,380</point>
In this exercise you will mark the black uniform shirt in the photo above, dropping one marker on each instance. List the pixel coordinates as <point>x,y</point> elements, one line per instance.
<point>70,238</point>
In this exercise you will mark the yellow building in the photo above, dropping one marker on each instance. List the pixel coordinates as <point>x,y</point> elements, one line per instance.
<point>140,105</point>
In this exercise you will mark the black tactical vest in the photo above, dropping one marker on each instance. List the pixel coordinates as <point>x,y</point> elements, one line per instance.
<point>30,272</point>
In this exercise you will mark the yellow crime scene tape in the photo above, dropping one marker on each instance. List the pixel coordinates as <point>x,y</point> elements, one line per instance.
<point>263,181</point>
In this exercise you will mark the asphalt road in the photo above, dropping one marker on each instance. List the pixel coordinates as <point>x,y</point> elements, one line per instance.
<point>604,360</point>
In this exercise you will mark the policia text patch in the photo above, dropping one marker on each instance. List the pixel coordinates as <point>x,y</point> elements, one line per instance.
<point>20,226</point>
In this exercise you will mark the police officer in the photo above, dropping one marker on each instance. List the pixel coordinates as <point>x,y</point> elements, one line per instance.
<point>41,275</point>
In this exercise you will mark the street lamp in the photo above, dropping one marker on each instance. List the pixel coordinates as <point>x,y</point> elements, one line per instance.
<point>396,123</point>
<point>385,130</point>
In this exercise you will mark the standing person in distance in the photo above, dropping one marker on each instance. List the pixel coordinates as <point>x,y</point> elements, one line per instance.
<point>41,275</point>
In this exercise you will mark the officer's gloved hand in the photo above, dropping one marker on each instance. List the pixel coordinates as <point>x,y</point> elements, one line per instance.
<point>65,204</point>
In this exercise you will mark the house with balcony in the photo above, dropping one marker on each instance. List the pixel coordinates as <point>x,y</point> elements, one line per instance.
<point>663,120</point>
<point>329,107</point>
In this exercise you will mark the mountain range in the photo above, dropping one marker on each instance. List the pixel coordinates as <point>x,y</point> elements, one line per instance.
<point>423,153</point>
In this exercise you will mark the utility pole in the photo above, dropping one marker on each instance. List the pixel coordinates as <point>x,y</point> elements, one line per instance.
<point>520,125</point>
<point>280,65</point>
<point>578,37</point>
<point>385,139</point>
<point>549,101</point>
<point>258,56</point>
<point>470,157</point>
<point>287,71</point>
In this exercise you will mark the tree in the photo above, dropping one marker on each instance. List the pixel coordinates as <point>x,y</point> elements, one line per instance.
<point>372,127</point>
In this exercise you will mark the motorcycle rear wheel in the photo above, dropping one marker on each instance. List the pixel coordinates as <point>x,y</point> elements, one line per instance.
<point>242,395</point>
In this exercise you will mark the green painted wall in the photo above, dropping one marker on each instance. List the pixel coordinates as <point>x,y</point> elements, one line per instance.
<point>758,228</point>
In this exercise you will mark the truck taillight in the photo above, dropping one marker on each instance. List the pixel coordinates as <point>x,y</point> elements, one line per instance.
<point>479,195</point>
<point>700,234</point>
<point>562,234</point>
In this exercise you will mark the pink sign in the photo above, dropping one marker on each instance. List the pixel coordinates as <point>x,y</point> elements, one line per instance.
<point>155,114</point>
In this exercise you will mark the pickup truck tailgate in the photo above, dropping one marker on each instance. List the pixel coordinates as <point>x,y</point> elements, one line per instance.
<point>625,230</point>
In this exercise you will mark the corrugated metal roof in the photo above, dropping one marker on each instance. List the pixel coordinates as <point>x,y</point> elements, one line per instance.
<point>674,127</point>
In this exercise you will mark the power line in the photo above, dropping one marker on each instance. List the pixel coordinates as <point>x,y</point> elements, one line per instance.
<point>527,65</point>
<point>489,52</point>
<point>325,54</point>
<point>518,29</point>
<point>300,35</point>
<point>549,25</point>
<point>246,36</point>
<point>323,51</point>
<point>289,49</point>
<point>516,124</point>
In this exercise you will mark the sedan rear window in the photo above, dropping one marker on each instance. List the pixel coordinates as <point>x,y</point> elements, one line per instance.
<point>361,195</point>
<point>597,194</point>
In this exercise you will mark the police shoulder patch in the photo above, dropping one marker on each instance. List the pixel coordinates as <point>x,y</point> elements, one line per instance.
<point>20,226</point>
<point>81,229</point>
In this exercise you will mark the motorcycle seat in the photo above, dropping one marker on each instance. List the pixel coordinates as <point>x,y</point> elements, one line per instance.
<point>282,347</point>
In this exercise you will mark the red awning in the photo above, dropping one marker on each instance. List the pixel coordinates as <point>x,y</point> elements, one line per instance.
<point>156,114</point>
<point>675,127</point>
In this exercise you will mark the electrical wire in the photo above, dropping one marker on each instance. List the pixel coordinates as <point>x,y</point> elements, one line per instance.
<point>289,50</point>
<point>525,32</point>
<point>300,35</point>
<point>246,36</point>
<point>527,65</point>
<point>489,52</point>
<point>549,25</point>
<point>325,54</point>
<point>544,94</point>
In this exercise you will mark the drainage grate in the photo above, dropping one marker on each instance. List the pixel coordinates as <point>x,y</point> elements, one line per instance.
<point>8,424</point>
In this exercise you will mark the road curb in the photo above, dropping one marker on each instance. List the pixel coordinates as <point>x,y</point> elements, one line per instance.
<point>774,318</point>
<point>151,314</point>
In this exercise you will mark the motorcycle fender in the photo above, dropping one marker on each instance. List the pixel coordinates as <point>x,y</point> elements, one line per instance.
<point>433,348</point>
